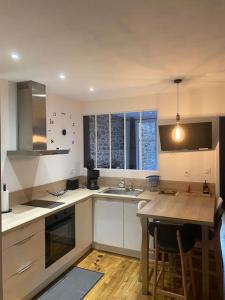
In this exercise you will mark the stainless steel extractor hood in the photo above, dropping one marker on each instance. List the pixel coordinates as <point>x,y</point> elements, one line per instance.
<point>31,106</point>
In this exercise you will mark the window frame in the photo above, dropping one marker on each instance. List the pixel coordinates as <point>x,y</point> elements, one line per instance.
<point>140,140</point>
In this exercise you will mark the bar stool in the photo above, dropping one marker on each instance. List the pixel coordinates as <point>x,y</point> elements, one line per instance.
<point>214,245</point>
<point>172,240</point>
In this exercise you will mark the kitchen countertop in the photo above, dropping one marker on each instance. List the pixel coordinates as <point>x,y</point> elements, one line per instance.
<point>22,214</point>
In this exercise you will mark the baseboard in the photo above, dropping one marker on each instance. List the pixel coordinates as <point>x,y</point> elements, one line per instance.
<point>121,251</point>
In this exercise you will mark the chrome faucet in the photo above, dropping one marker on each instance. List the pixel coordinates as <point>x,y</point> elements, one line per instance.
<point>122,184</point>
<point>130,186</point>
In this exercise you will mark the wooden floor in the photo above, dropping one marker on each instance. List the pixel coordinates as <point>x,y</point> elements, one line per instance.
<point>120,280</point>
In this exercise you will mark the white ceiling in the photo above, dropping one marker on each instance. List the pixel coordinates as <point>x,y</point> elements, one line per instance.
<point>121,47</point>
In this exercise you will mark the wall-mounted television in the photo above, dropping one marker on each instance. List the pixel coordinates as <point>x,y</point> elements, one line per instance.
<point>197,136</point>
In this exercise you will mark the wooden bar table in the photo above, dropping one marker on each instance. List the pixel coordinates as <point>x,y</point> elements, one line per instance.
<point>179,209</point>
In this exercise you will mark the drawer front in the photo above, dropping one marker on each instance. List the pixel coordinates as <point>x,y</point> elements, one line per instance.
<point>24,281</point>
<point>11,238</point>
<point>22,254</point>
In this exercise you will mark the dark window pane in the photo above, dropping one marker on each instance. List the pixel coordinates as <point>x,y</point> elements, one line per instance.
<point>89,139</point>
<point>117,141</point>
<point>103,141</point>
<point>149,140</point>
<point>132,140</point>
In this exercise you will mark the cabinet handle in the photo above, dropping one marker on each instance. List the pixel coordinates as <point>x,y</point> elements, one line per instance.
<point>20,271</point>
<point>24,241</point>
<point>22,227</point>
<point>25,268</point>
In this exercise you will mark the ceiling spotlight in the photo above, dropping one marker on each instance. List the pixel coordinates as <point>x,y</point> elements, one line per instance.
<point>91,89</point>
<point>62,76</point>
<point>15,56</point>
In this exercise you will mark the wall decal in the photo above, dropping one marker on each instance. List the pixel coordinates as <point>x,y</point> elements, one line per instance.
<point>61,131</point>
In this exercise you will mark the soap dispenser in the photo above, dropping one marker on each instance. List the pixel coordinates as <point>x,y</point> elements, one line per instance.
<point>205,188</point>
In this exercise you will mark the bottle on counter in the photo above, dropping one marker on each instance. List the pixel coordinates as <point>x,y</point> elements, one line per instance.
<point>205,188</point>
<point>5,199</point>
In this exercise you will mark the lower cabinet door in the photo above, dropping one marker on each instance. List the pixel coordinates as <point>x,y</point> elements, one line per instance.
<point>132,226</point>
<point>108,222</point>
<point>83,219</point>
<point>23,281</point>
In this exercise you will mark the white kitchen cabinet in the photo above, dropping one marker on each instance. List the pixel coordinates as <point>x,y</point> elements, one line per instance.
<point>132,226</point>
<point>108,222</point>
<point>83,220</point>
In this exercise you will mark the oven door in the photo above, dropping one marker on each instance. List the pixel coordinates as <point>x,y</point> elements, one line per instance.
<point>59,239</point>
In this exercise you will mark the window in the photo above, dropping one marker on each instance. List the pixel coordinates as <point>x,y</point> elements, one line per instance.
<point>117,141</point>
<point>132,140</point>
<point>103,141</point>
<point>121,140</point>
<point>149,140</point>
<point>89,139</point>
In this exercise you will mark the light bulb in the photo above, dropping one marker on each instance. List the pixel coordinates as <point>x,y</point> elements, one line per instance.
<point>15,56</point>
<point>178,133</point>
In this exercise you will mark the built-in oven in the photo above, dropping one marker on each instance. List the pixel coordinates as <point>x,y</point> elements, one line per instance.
<point>59,235</point>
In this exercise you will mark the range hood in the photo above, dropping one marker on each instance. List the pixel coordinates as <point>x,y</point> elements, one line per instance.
<point>31,107</point>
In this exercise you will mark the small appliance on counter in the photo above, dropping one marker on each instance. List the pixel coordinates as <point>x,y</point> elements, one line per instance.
<point>92,176</point>
<point>153,181</point>
<point>72,184</point>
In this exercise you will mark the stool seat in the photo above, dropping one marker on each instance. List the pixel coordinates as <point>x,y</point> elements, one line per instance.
<point>167,238</point>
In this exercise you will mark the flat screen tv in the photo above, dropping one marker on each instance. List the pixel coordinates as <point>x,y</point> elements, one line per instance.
<point>197,136</point>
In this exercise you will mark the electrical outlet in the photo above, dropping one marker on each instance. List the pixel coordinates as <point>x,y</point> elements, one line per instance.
<point>187,174</point>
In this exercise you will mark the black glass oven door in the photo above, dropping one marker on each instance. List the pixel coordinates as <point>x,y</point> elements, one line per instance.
<point>60,239</point>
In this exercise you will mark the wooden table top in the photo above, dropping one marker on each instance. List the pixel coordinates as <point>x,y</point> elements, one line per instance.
<point>183,209</point>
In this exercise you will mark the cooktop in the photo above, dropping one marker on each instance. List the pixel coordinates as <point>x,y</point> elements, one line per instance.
<point>43,203</point>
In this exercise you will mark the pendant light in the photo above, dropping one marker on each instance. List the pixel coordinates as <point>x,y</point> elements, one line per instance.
<point>178,131</point>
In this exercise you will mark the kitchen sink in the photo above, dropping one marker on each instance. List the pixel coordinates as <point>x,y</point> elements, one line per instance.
<point>120,191</point>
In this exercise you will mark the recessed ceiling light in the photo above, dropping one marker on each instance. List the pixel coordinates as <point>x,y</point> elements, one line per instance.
<point>15,56</point>
<point>62,76</point>
<point>91,89</point>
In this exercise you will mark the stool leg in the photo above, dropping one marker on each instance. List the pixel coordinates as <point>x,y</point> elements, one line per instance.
<point>140,273</point>
<point>183,265</point>
<point>170,260</point>
<point>155,265</point>
<point>183,270</point>
<point>219,264</point>
<point>163,272</point>
<point>163,268</point>
<point>192,275</point>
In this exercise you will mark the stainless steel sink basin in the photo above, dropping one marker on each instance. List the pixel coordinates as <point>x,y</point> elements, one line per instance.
<point>119,191</point>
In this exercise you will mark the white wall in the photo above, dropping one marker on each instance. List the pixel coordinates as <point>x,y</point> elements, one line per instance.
<point>199,102</point>
<point>196,103</point>
<point>22,172</point>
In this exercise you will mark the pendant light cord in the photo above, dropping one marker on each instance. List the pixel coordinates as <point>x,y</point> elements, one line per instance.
<point>178,81</point>
<point>178,108</point>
